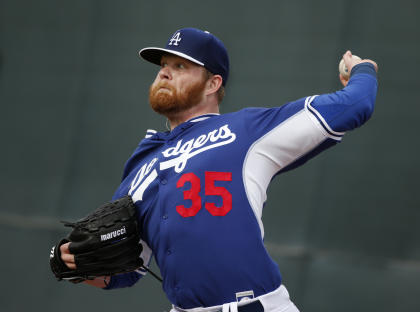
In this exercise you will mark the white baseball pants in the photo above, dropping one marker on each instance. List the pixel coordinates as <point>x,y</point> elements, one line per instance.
<point>275,301</point>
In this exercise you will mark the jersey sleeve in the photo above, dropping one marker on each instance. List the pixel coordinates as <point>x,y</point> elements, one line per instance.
<point>291,134</point>
<point>281,139</point>
<point>285,137</point>
<point>131,278</point>
<point>350,107</point>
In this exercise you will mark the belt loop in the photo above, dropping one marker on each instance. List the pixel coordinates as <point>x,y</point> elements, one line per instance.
<point>230,307</point>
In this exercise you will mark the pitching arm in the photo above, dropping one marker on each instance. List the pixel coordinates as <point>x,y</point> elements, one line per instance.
<point>351,106</point>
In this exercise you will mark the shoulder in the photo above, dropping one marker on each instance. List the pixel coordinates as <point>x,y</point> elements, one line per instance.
<point>278,112</point>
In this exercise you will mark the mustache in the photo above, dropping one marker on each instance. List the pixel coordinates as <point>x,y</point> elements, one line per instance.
<point>161,85</point>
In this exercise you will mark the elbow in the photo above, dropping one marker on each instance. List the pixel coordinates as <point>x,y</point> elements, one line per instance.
<point>355,115</point>
<point>366,105</point>
<point>367,108</point>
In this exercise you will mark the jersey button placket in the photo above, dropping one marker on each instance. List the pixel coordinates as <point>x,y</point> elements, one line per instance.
<point>163,181</point>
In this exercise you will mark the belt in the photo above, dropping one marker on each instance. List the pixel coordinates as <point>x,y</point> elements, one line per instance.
<point>277,300</point>
<point>255,306</point>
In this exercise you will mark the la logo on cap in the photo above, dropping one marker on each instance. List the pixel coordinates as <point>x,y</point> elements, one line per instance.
<point>175,39</point>
<point>195,45</point>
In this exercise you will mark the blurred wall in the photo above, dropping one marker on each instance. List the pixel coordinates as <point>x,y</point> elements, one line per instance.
<point>344,228</point>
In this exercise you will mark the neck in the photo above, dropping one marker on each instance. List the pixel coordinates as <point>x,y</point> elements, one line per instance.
<point>198,110</point>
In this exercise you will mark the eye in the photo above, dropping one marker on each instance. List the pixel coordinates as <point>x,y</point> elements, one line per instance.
<point>180,66</point>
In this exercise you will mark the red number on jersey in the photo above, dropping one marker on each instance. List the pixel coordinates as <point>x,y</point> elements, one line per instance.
<point>210,189</point>
<point>191,194</point>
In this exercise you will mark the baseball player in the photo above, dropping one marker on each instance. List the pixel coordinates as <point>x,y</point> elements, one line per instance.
<point>199,189</point>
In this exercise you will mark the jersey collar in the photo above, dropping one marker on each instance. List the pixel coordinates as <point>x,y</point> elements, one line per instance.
<point>190,122</point>
<point>202,117</point>
<point>152,135</point>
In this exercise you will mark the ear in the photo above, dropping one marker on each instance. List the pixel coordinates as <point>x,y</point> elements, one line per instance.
<point>213,84</point>
<point>344,81</point>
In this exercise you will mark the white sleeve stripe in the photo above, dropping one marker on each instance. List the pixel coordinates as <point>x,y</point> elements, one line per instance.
<point>146,255</point>
<point>334,134</point>
<point>284,144</point>
<point>150,133</point>
<point>320,125</point>
<point>141,271</point>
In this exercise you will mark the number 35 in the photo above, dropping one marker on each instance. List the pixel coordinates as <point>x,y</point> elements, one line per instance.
<point>210,189</point>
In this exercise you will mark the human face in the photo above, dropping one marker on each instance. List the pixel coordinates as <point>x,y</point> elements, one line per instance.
<point>179,86</point>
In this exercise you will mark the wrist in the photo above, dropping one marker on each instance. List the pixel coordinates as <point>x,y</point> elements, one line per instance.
<point>363,68</point>
<point>100,282</point>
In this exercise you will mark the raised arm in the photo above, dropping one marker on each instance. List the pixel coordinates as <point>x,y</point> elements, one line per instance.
<point>353,105</point>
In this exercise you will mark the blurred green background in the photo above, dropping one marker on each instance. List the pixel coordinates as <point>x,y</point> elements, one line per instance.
<point>344,228</point>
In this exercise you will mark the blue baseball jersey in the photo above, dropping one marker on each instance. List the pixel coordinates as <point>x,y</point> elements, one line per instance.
<point>200,189</point>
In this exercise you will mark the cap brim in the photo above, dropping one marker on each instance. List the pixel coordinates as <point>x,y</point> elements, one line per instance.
<point>154,55</point>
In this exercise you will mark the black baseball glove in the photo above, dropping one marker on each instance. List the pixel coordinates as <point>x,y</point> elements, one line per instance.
<point>104,243</point>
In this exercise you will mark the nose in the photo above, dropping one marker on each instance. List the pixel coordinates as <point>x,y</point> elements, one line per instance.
<point>165,73</point>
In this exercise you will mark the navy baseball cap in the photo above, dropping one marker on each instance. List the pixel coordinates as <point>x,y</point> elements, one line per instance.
<point>195,45</point>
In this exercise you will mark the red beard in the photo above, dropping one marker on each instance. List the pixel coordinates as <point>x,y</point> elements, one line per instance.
<point>170,103</point>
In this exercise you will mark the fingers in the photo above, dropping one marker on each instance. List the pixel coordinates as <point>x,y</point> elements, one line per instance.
<point>67,257</point>
<point>347,56</point>
<point>65,249</point>
<point>351,61</point>
<point>69,261</point>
